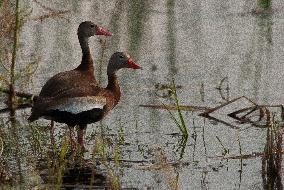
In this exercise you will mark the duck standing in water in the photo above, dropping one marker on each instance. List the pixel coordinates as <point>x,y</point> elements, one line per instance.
<point>74,97</point>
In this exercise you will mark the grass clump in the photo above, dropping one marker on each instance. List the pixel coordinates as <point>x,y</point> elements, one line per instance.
<point>106,151</point>
<point>272,158</point>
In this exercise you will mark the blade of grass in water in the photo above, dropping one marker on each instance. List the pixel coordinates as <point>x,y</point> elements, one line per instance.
<point>174,119</point>
<point>183,126</point>
<point>181,123</point>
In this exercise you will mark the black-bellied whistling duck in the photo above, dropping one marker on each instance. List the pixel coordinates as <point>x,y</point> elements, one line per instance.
<point>79,100</point>
<point>65,80</point>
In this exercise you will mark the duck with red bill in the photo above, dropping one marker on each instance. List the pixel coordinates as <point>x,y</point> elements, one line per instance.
<point>132,64</point>
<point>102,31</point>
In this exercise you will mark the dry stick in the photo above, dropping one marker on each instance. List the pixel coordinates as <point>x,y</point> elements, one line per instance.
<point>12,97</point>
<point>51,13</point>
<point>20,94</point>
<point>173,107</point>
<point>14,56</point>
<point>43,6</point>
<point>17,106</point>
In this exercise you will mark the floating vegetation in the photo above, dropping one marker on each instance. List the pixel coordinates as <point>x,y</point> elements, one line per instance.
<point>264,8</point>
<point>265,4</point>
<point>165,90</point>
<point>225,150</point>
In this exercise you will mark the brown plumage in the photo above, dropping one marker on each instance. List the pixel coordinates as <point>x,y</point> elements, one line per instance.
<point>74,97</point>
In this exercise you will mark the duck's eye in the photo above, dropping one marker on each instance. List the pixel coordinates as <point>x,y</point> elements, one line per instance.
<point>92,25</point>
<point>121,56</point>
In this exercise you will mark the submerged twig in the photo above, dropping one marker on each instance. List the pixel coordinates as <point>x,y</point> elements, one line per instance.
<point>173,107</point>
<point>52,13</point>
<point>244,115</point>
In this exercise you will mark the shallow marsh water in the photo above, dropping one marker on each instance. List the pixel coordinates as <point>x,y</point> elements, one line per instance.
<point>198,44</point>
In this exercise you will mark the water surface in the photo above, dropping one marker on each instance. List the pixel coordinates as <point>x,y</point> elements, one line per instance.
<point>196,43</point>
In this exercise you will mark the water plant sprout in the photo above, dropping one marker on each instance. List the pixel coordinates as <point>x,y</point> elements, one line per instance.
<point>180,123</point>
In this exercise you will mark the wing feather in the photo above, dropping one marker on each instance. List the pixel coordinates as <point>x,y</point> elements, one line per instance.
<point>79,104</point>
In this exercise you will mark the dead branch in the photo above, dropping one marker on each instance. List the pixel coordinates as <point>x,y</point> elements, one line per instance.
<point>173,107</point>
<point>20,94</point>
<point>16,107</point>
<point>51,13</point>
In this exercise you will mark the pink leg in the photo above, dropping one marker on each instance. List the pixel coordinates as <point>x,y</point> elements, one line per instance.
<point>71,135</point>
<point>80,136</point>
<point>52,139</point>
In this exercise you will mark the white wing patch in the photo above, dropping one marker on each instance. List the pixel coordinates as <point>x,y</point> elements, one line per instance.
<point>79,104</point>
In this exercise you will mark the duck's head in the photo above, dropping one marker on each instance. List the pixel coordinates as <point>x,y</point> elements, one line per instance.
<point>121,60</point>
<point>88,29</point>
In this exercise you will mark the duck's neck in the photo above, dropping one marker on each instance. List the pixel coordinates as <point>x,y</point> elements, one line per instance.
<point>87,61</point>
<point>113,85</point>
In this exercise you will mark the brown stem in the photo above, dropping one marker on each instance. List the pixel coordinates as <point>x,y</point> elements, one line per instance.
<point>20,94</point>
<point>19,106</point>
<point>12,98</point>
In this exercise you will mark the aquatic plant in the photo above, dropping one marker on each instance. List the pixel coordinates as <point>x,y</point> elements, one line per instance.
<point>104,150</point>
<point>272,158</point>
<point>264,4</point>
<point>180,123</point>
<point>225,150</point>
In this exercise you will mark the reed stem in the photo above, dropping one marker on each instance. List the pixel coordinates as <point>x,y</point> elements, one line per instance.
<point>14,57</point>
<point>182,122</point>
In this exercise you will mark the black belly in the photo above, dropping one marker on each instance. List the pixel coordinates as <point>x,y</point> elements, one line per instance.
<point>82,118</point>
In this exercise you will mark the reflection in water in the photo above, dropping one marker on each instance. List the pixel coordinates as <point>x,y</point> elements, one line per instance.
<point>264,4</point>
<point>171,32</point>
<point>136,22</point>
<point>83,176</point>
<point>272,159</point>
<point>114,24</point>
<point>263,50</point>
<point>181,146</point>
<point>241,159</point>
<point>257,60</point>
<point>224,89</point>
<point>14,127</point>
<point>203,140</point>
